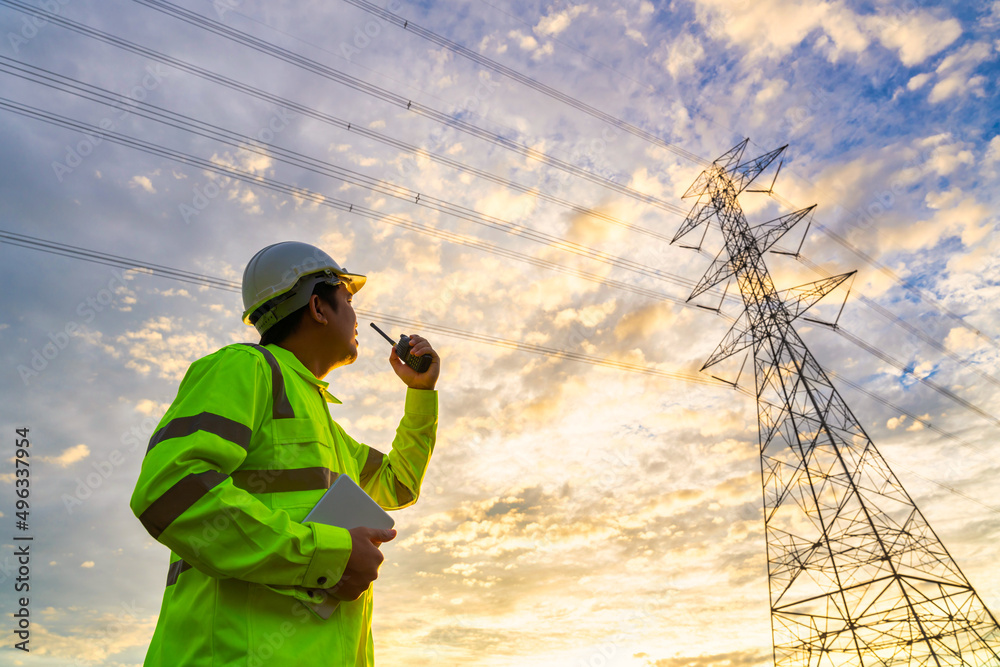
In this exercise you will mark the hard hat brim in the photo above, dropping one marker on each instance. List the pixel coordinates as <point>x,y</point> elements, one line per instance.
<point>351,281</point>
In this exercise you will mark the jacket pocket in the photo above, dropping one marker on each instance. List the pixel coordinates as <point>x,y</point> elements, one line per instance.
<point>298,431</point>
<point>303,465</point>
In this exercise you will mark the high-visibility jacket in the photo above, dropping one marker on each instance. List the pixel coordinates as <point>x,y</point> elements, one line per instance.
<point>244,452</point>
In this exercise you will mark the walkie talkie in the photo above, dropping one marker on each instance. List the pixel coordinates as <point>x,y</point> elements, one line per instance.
<point>419,364</point>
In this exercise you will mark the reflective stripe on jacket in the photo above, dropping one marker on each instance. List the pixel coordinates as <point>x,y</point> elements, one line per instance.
<point>244,452</point>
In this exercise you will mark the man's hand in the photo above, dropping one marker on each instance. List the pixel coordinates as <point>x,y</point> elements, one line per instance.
<point>426,380</point>
<point>362,565</point>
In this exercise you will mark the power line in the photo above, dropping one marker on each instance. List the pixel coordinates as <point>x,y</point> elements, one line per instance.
<point>896,320</point>
<point>249,90</point>
<point>889,359</point>
<point>586,55</point>
<point>349,126</point>
<point>210,131</point>
<point>148,147</point>
<point>923,295</point>
<point>271,184</point>
<point>493,65</point>
<point>76,252</point>
<point>465,214</point>
<point>108,259</point>
<point>265,47</point>
<point>923,422</point>
<point>612,120</point>
<point>246,176</point>
<point>502,343</point>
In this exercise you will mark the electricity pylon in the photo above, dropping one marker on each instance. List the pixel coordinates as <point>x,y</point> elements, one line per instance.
<point>856,575</point>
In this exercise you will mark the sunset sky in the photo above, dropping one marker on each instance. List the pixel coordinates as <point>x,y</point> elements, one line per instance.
<point>574,513</point>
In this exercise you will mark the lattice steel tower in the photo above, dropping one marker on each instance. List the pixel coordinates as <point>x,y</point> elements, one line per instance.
<point>856,575</point>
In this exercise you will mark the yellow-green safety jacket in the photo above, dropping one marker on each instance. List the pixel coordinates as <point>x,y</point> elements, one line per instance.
<point>244,452</point>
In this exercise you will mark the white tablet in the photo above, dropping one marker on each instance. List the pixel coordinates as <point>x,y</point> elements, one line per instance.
<point>346,505</point>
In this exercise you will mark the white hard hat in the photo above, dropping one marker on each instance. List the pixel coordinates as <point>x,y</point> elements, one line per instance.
<point>280,279</point>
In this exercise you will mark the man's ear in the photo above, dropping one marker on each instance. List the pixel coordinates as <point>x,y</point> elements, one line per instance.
<point>315,311</point>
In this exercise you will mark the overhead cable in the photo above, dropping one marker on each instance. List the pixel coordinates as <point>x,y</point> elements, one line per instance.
<point>94,256</point>
<point>248,177</point>
<point>896,320</point>
<point>124,44</point>
<point>76,252</point>
<point>308,195</point>
<point>493,65</point>
<point>889,359</point>
<point>349,126</point>
<point>327,72</point>
<point>98,257</point>
<point>322,167</point>
<point>298,60</point>
<point>921,294</point>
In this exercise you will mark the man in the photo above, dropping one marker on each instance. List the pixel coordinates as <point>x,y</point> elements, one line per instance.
<point>245,451</point>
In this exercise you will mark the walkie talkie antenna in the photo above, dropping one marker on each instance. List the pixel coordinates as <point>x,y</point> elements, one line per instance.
<point>402,350</point>
<point>391,341</point>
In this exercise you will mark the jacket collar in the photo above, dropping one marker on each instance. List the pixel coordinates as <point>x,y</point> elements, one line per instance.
<point>289,360</point>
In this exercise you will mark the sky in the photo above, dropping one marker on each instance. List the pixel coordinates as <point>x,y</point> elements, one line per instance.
<point>573,513</point>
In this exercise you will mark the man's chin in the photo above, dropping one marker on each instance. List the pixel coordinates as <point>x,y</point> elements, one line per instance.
<point>348,359</point>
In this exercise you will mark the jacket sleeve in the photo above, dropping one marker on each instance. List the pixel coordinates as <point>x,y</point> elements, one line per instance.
<point>186,499</point>
<point>393,480</point>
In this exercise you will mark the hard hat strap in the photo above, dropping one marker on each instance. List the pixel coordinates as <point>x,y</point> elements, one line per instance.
<point>275,310</point>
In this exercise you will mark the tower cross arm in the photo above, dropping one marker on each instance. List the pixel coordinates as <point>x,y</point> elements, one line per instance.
<point>744,173</point>
<point>720,270</point>
<point>738,338</point>
<point>799,299</point>
<point>768,233</point>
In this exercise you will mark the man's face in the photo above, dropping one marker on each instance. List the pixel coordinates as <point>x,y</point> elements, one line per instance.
<point>342,327</point>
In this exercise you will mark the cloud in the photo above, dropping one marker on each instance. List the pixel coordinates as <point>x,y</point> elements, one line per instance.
<point>338,243</point>
<point>877,203</point>
<point>946,158</point>
<point>92,636</point>
<point>992,155</point>
<point>681,56</point>
<point>915,35</point>
<point>151,408</point>
<point>918,81</point>
<point>954,76</point>
<point>588,316</point>
<point>529,43</point>
<point>87,564</point>
<point>421,257</point>
<point>734,659</point>
<point>772,90</point>
<point>244,160</point>
<point>157,346</point>
<point>144,183</point>
<point>533,518</point>
<point>641,323</point>
<point>69,456</point>
<point>505,204</point>
<point>591,231</point>
<point>556,22</point>
<point>961,339</point>
<point>959,213</point>
<point>751,24</point>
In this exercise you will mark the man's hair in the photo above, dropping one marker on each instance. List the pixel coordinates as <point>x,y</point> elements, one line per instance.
<point>286,326</point>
